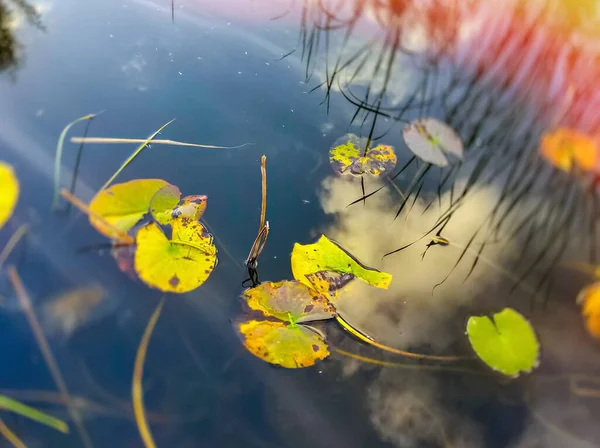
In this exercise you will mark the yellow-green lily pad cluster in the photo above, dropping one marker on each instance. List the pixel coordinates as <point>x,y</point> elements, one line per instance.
<point>281,334</point>
<point>179,263</point>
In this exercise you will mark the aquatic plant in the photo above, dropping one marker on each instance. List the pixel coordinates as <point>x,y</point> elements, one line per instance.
<point>9,192</point>
<point>346,157</point>
<point>507,343</point>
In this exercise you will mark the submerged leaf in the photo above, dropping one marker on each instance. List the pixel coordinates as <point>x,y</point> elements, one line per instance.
<point>289,301</point>
<point>288,345</point>
<point>589,299</point>
<point>9,192</point>
<point>508,344</point>
<point>9,404</point>
<point>565,148</point>
<point>124,205</point>
<point>430,139</point>
<point>177,265</point>
<point>326,255</point>
<point>346,157</point>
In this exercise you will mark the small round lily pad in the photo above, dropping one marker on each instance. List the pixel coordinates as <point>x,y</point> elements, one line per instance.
<point>288,345</point>
<point>430,140</point>
<point>346,157</point>
<point>507,344</point>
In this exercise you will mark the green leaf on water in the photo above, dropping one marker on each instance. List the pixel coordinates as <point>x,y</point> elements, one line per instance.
<point>327,255</point>
<point>123,205</point>
<point>11,405</point>
<point>507,344</point>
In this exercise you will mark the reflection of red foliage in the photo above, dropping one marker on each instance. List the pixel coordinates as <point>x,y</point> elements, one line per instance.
<point>540,60</point>
<point>123,256</point>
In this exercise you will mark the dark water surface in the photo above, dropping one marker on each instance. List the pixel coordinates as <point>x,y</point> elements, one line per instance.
<point>218,70</point>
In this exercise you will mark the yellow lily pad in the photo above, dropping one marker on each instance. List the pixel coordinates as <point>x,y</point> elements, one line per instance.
<point>123,205</point>
<point>288,345</point>
<point>327,255</point>
<point>346,157</point>
<point>9,192</point>
<point>289,301</point>
<point>329,283</point>
<point>180,264</point>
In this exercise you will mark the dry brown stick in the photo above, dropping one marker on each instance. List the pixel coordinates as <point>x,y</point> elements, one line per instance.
<point>11,436</point>
<point>263,230</point>
<point>12,242</point>
<point>47,353</point>
<point>154,142</point>
<point>263,207</point>
<point>124,237</point>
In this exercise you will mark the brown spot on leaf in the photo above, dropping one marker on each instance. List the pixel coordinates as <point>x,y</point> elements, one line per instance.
<point>174,281</point>
<point>309,308</point>
<point>315,348</point>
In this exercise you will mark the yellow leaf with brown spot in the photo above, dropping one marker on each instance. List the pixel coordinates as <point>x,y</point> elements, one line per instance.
<point>288,345</point>
<point>180,264</point>
<point>289,301</point>
<point>346,157</point>
<point>9,192</point>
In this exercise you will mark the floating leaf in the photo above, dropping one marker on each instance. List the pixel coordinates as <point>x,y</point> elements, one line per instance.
<point>508,344</point>
<point>346,157</point>
<point>162,203</point>
<point>177,265</point>
<point>327,255</point>
<point>289,301</point>
<point>565,148</point>
<point>288,345</point>
<point>163,210</point>
<point>9,404</point>
<point>430,139</point>
<point>329,283</point>
<point>124,205</point>
<point>589,299</point>
<point>9,192</point>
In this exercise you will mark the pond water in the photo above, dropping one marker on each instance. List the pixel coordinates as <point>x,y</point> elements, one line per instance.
<point>288,79</point>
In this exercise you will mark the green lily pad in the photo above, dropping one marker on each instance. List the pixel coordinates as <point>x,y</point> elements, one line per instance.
<point>346,157</point>
<point>288,345</point>
<point>430,140</point>
<point>124,205</point>
<point>327,255</point>
<point>166,205</point>
<point>507,344</point>
<point>289,301</point>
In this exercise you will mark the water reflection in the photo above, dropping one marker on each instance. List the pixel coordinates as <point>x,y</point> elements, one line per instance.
<point>502,76</point>
<point>12,13</point>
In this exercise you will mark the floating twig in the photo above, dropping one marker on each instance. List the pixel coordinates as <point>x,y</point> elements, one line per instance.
<point>111,140</point>
<point>263,230</point>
